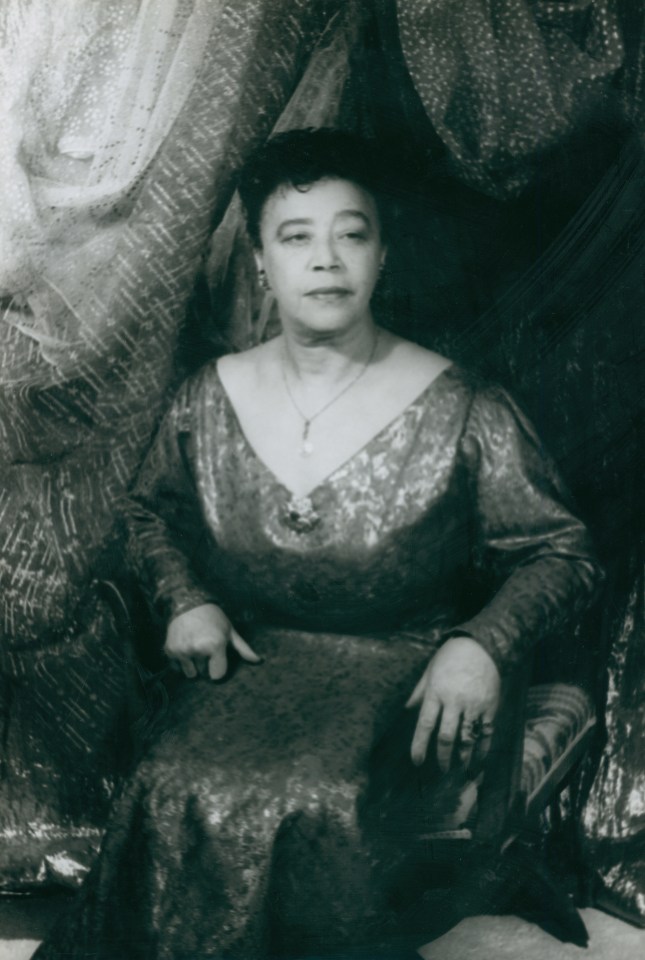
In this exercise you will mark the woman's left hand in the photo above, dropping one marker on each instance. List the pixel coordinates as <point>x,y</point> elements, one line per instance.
<point>459,691</point>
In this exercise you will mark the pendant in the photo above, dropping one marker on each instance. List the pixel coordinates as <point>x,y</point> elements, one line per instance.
<point>301,515</point>
<point>307,447</point>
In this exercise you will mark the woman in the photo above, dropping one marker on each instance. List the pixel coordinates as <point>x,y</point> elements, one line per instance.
<point>312,526</point>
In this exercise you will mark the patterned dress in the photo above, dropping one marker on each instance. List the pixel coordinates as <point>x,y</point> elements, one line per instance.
<point>275,813</point>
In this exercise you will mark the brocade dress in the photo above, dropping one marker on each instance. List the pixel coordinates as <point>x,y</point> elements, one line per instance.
<point>268,818</point>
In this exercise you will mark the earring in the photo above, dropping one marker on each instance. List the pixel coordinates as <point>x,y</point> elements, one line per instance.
<point>264,283</point>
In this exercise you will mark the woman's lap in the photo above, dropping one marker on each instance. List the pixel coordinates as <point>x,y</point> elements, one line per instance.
<point>244,822</point>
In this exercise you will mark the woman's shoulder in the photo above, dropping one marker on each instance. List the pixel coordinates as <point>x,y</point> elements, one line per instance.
<point>204,378</point>
<point>407,372</point>
<point>243,376</point>
<point>238,368</point>
<point>202,387</point>
<point>415,360</point>
<point>480,401</point>
<point>491,410</point>
<point>427,374</point>
<point>412,360</point>
<point>217,374</point>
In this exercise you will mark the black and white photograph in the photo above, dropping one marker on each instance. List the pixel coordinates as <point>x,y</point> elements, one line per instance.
<point>322,582</point>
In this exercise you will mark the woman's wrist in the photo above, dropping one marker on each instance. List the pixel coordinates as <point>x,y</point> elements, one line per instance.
<point>489,649</point>
<point>187,600</point>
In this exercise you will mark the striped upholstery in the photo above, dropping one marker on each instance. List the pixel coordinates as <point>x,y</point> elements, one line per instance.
<point>558,717</point>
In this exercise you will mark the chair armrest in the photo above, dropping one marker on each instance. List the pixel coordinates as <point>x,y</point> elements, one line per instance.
<point>500,796</point>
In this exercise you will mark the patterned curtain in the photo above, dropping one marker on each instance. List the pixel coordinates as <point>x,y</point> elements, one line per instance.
<point>527,261</point>
<point>505,81</point>
<point>124,125</point>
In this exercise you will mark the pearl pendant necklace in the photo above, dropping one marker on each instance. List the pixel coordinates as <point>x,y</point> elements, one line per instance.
<point>306,446</point>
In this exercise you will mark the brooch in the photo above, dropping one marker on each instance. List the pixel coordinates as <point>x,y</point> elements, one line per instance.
<point>301,515</point>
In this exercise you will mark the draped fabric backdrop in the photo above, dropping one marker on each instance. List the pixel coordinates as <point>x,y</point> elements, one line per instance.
<point>521,252</point>
<point>126,122</point>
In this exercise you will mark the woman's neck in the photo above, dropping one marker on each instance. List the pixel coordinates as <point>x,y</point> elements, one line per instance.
<point>328,358</point>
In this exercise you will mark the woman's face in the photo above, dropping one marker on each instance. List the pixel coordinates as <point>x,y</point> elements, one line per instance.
<point>321,250</point>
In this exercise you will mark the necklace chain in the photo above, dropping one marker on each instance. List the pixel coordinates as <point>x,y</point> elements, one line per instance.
<point>307,447</point>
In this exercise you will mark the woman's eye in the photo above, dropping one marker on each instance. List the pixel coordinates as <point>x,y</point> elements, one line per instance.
<point>357,236</point>
<point>296,238</point>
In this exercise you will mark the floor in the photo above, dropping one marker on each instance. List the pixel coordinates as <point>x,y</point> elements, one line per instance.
<point>509,938</point>
<point>23,922</point>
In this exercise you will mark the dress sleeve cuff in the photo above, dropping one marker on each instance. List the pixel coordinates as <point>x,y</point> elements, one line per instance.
<point>182,601</point>
<point>484,637</point>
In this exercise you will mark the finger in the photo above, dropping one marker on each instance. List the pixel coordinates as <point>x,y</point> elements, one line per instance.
<point>243,648</point>
<point>447,736</point>
<point>468,740</point>
<point>217,663</point>
<point>426,723</point>
<point>484,742</point>
<point>417,694</point>
<point>188,667</point>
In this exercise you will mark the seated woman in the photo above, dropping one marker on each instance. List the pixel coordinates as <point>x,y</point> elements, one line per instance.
<point>310,526</point>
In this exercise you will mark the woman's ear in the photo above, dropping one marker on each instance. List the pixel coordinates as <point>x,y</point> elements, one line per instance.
<point>259,259</point>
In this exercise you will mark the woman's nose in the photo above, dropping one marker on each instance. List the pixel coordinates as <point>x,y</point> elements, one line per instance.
<point>324,256</point>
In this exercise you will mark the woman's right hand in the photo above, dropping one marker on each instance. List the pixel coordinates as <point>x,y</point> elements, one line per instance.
<point>197,641</point>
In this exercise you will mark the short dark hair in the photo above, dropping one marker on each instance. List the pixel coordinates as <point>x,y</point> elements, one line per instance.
<point>299,158</point>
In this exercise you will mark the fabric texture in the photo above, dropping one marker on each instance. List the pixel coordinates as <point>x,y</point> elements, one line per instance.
<point>557,716</point>
<point>503,83</point>
<point>82,388</point>
<point>65,713</point>
<point>583,299</point>
<point>277,812</point>
<point>90,93</point>
<point>451,436</point>
<point>123,126</point>
<point>613,820</point>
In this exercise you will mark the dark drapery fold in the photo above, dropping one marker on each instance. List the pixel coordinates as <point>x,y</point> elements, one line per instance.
<point>613,826</point>
<point>569,334</point>
<point>504,82</point>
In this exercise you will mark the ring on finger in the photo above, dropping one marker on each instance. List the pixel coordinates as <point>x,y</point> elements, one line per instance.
<point>476,730</point>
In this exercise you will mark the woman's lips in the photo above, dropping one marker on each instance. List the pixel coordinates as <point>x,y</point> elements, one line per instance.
<point>329,293</point>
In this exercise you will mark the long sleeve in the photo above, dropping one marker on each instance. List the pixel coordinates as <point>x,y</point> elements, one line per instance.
<point>538,552</point>
<point>165,525</point>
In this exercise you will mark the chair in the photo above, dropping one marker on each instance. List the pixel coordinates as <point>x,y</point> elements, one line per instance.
<point>487,848</point>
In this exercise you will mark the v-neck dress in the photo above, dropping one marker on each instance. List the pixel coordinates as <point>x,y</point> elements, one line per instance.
<point>249,828</point>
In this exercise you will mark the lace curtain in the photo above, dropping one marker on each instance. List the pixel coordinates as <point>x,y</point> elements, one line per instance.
<point>89,91</point>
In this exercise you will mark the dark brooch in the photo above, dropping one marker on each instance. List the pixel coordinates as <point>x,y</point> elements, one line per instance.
<point>301,515</point>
